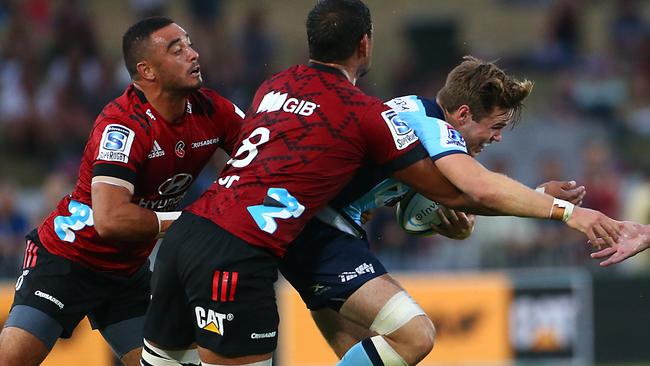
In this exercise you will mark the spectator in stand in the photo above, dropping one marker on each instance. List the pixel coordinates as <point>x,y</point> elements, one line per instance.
<point>13,224</point>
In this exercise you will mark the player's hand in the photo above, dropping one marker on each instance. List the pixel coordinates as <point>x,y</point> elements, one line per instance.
<point>595,225</point>
<point>633,240</point>
<point>565,190</point>
<point>367,216</point>
<point>454,224</point>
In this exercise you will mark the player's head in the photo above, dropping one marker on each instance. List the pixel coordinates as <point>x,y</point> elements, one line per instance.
<point>339,31</point>
<point>480,100</point>
<point>157,50</point>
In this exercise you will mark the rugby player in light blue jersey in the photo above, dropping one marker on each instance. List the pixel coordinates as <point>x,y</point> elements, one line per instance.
<point>330,263</point>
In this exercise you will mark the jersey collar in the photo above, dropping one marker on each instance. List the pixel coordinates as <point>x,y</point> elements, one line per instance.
<point>432,108</point>
<point>325,68</point>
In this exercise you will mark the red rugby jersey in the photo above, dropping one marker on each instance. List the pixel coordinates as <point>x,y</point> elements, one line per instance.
<point>307,132</point>
<point>131,141</point>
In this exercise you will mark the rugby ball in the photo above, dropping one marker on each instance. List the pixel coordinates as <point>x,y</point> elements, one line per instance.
<point>417,214</point>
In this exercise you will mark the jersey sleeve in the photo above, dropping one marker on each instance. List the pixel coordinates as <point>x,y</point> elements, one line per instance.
<point>391,142</point>
<point>438,137</point>
<point>118,148</point>
<point>229,119</point>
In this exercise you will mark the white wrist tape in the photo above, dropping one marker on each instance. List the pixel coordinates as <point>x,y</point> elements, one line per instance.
<point>567,206</point>
<point>166,216</point>
<point>540,189</point>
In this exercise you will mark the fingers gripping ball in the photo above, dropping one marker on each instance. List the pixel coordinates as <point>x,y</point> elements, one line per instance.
<point>417,214</point>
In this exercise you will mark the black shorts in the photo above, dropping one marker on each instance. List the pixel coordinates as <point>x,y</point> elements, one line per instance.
<point>326,265</point>
<point>212,288</point>
<point>68,291</point>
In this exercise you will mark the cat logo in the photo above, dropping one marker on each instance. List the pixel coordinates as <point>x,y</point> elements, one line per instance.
<point>211,320</point>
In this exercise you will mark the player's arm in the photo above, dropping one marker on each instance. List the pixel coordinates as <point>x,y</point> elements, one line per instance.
<point>484,192</point>
<point>459,225</point>
<point>117,218</point>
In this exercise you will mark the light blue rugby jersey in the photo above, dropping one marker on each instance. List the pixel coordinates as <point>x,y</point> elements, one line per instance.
<point>438,137</point>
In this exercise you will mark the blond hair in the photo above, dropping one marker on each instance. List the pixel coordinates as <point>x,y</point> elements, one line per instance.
<point>483,87</point>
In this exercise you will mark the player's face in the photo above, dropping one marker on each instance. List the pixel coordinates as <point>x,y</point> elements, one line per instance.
<point>175,61</point>
<point>479,134</point>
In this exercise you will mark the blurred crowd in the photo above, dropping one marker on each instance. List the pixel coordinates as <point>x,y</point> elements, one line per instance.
<point>588,120</point>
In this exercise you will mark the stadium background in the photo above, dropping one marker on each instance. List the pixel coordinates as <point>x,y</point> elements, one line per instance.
<point>519,291</point>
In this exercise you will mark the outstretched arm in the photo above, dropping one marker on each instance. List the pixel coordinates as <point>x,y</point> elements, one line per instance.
<point>459,225</point>
<point>460,182</point>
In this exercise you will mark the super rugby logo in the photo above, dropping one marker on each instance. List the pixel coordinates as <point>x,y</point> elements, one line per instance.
<point>116,143</point>
<point>274,101</point>
<point>402,133</point>
<point>211,320</point>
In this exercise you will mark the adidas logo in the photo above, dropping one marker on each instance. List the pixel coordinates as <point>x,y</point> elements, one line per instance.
<point>274,101</point>
<point>156,151</point>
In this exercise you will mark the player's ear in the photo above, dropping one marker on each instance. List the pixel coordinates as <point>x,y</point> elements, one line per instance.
<point>463,114</point>
<point>365,45</point>
<point>145,71</point>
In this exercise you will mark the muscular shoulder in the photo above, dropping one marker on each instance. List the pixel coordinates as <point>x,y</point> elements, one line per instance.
<point>126,110</point>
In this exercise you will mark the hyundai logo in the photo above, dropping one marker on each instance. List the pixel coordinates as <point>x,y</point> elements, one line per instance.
<point>176,184</point>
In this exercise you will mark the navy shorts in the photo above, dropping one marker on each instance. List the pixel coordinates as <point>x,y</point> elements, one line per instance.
<point>68,291</point>
<point>326,265</point>
<point>212,288</point>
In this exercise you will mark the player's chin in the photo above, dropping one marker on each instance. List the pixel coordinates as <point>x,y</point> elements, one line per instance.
<point>194,84</point>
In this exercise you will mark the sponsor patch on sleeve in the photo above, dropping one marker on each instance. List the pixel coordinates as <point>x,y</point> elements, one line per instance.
<point>450,137</point>
<point>403,104</point>
<point>116,143</point>
<point>403,134</point>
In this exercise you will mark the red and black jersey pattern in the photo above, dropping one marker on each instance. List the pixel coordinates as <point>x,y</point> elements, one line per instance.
<point>131,141</point>
<point>306,134</point>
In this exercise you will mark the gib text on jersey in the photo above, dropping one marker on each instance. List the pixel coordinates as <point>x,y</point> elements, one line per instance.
<point>306,134</point>
<point>130,141</point>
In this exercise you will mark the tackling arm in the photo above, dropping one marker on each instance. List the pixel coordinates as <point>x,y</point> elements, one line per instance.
<point>117,218</point>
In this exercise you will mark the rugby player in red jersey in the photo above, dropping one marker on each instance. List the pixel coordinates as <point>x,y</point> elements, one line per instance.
<point>89,257</point>
<point>331,264</point>
<point>308,132</point>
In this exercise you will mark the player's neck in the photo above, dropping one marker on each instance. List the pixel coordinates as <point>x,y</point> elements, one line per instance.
<point>449,118</point>
<point>171,106</point>
<point>347,71</point>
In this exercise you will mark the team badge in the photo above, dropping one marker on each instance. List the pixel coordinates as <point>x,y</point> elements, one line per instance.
<point>180,149</point>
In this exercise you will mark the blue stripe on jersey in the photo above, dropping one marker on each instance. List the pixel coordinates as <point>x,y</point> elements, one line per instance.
<point>438,137</point>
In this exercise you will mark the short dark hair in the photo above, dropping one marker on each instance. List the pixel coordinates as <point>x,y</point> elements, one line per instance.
<point>335,27</point>
<point>134,40</point>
